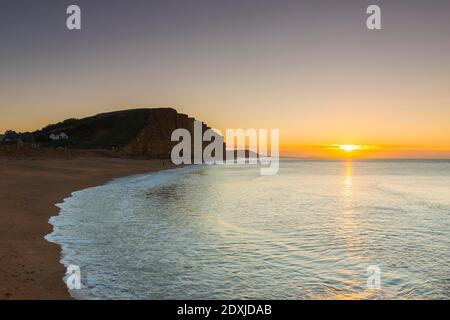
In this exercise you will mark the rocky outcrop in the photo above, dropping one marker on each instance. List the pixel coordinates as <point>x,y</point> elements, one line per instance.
<point>154,140</point>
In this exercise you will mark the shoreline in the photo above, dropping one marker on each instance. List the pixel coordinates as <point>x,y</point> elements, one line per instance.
<point>30,188</point>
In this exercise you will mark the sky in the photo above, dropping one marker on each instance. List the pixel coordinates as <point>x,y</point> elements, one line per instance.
<point>309,68</point>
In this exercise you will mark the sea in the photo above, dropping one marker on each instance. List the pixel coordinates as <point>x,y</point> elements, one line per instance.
<point>319,229</point>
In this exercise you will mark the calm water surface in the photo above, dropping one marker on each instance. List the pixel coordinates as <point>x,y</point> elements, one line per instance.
<point>225,232</point>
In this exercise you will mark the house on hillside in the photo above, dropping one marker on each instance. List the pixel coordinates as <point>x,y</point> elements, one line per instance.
<point>58,136</point>
<point>11,135</point>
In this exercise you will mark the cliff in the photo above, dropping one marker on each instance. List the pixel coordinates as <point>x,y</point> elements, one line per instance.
<point>137,132</point>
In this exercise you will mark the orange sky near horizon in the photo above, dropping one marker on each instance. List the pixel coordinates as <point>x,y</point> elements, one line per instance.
<point>372,152</point>
<point>288,147</point>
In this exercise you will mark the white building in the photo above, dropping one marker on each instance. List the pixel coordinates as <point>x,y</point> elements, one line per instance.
<point>59,136</point>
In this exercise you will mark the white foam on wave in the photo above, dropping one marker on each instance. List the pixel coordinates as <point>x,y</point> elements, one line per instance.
<point>73,203</point>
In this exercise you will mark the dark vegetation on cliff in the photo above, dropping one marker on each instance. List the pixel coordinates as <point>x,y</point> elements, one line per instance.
<point>102,131</point>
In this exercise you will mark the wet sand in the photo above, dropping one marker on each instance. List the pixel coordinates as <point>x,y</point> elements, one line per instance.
<point>29,190</point>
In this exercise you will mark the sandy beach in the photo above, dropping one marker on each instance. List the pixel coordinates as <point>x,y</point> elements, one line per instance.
<point>29,190</point>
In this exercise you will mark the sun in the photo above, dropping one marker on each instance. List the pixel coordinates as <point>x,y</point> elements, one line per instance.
<point>349,147</point>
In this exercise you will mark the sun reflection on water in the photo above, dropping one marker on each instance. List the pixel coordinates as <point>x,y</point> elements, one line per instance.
<point>348,224</point>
